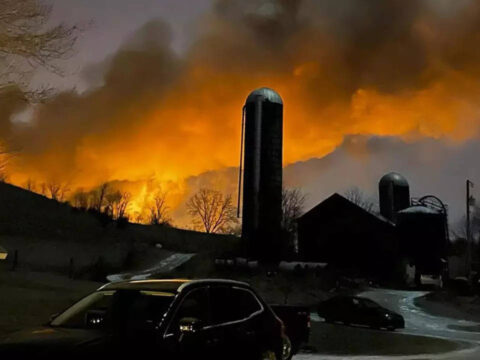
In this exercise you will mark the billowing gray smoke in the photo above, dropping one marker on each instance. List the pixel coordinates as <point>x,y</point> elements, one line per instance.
<point>399,68</point>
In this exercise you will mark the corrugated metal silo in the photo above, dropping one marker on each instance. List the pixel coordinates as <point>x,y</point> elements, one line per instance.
<point>423,237</point>
<point>394,194</point>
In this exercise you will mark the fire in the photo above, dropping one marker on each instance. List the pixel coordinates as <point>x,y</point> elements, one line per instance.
<point>161,120</point>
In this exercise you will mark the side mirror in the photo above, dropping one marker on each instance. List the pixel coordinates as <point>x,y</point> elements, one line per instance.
<point>189,325</point>
<point>52,317</point>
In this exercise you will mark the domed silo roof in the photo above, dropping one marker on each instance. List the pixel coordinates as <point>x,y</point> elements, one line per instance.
<point>266,93</point>
<point>419,209</point>
<point>394,195</point>
<point>393,178</point>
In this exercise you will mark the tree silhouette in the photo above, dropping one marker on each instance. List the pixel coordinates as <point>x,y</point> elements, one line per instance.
<point>98,197</point>
<point>4,156</point>
<point>28,41</point>
<point>116,204</point>
<point>30,185</point>
<point>159,210</point>
<point>81,199</point>
<point>357,196</point>
<point>55,190</point>
<point>211,210</point>
<point>293,202</point>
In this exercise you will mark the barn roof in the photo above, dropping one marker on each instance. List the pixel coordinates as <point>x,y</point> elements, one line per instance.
<point>336,202</point>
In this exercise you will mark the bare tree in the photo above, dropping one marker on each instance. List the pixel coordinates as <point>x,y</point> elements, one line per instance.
<point>138,217</point>
<point>293,202</point>
<point>159,210</point>
<point>30,185</point>
<point>121,206</point>
<point>80,199</point>
<point>56,190</point>
<point>98,197</point>
<point>355,195</point>
<point>5,155</point>
<point>116,204</point>
<point>211,210</point>
<point>43,189</point>
<point>3,166</point>
<point>28,41</point>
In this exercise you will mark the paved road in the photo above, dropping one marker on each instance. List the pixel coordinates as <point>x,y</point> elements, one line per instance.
<point>417,322</point>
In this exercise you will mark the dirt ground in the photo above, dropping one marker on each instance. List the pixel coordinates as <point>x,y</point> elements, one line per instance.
<point>28,299</point>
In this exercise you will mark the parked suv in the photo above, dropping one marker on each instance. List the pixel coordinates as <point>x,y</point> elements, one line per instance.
<point>167,319</point>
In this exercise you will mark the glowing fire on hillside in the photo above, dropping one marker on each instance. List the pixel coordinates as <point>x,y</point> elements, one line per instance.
<point>160,119</point>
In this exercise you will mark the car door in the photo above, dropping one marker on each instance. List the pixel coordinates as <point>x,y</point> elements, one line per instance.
<point>235,315</point>
<point>371,313</point>
<point>339,309</point>
<point>202,343</point>
<point>347,311</point>
<point>250,330</point>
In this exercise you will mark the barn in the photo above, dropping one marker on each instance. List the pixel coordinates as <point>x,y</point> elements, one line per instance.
<point>347,236</point>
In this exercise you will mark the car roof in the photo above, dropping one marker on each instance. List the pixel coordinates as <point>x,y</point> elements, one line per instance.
<point>168,285</point>
<point>351,297</point>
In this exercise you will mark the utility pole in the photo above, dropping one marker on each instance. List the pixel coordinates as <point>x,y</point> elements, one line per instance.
<point>468,257</point>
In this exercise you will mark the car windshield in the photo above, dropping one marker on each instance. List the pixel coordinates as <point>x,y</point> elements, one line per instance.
<point>369,304</point>
<point>103,308</point>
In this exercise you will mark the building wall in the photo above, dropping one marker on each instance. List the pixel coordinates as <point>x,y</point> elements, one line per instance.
<point>346,236</point>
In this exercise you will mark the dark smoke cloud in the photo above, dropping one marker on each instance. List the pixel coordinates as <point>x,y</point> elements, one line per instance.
<point>137,77</point>
<point>432,167</point>
<point>390,68</point>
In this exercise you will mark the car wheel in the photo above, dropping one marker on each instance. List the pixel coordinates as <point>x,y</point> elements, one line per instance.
<point>268,355</point>
<point>287,351</point>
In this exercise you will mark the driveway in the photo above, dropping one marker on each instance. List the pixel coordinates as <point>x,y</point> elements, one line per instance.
<point>425,336</point>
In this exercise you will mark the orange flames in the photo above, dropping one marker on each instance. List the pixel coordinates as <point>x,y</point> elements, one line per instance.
<point>160,119</point>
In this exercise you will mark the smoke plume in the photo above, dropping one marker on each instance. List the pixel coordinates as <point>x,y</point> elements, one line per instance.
<point>396,68</point>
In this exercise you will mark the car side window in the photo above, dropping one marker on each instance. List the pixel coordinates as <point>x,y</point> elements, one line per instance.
<point>195,304</point>
<point>232,304</point>
<point>248,303</point>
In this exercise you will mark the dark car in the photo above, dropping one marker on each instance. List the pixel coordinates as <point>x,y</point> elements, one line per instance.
<point>169,319</point>
<point>359,311</point>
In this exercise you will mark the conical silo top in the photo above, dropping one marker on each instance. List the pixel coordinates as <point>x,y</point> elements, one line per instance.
<point>265,93</point>
<point>393,178</point>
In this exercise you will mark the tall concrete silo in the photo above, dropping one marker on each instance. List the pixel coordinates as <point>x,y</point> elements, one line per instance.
<point>262,176</point>
<point>394,194</point>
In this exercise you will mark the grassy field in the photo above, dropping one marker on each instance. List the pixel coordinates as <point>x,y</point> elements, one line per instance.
<point>28,299</point>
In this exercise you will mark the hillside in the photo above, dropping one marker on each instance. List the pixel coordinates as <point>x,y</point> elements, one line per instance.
<point>49,235</point>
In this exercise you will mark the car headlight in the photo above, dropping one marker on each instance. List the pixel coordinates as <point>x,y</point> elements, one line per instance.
<point>388,316</point>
